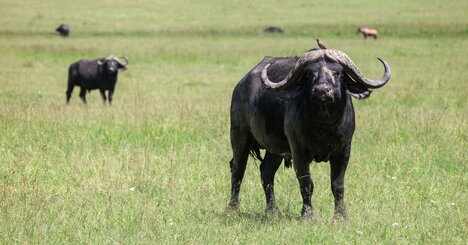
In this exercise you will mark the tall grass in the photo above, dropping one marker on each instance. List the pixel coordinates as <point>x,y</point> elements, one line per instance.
<point>153,167</point>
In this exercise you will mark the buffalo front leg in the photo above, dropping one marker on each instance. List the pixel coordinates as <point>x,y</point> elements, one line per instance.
<point>268,168</point>
<point>83,95</point>
<point>240,147</point>
<point>111,94</point>
<point>338,165</point>
<point>69,92</point>
<point>307,186</point>
<point>103,95</point>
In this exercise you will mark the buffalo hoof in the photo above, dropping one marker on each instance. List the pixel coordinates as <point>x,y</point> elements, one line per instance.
<point>232,207</point>
<point>273,212</point>
<point>340,216</point>
<point>307,214</point>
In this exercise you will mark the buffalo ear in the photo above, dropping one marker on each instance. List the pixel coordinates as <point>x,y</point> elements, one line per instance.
<point>355,89</point>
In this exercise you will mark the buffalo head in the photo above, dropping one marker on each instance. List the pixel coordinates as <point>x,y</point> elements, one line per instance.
<point>112,64</point>
<point>326,75</point>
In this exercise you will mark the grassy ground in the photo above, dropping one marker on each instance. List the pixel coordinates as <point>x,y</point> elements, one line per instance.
<point>153,168</point>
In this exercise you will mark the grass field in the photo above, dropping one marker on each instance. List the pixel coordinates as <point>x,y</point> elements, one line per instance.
<point>153,168</point>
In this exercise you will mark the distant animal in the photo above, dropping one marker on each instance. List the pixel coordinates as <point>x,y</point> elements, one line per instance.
<point>299,108</point>
<point>273,29</point>
<point>63,30</point>
<point>366,32</point>
<point>100,73</point>
<point>320,44</point>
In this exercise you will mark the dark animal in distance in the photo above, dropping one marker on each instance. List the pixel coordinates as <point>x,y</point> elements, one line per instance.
<point>299,108</point>
<point>367,32</point>
<point>274,29</point>
<point>63,30</point>
<point>99,74</point>
<point>320,44</point>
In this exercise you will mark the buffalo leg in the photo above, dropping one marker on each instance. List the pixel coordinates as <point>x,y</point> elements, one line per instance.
<point>307,186</point>
<point>103,95</point>
<point>69,92</point>
<point>111,93</point>
<point>83,95</point>
<point>241,146</point>
<point>268,168</point>
<point>338,165</point>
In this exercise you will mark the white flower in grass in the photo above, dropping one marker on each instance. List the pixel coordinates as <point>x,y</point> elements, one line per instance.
<point>452,204</point>
<point>360,232</point>
<point>392,177</point>
<point>132,188</point>
<point>395,224</point>
<point>433,202</point>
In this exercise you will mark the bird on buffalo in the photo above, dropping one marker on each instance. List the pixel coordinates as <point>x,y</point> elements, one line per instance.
<point>320,44</point>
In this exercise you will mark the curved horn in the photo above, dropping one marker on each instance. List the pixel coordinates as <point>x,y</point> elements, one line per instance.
<point>101,61</point>
<point>126,61</point>
<point>354,71</point>
<point>294,73</point>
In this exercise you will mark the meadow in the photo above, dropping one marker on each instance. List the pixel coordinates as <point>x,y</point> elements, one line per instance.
<point>153,168</point>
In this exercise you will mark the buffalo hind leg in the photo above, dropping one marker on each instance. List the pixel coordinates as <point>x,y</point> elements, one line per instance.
<point>268,168</point>
<point>241,146</point>
<point>338,165</point>
<point>83,95</point>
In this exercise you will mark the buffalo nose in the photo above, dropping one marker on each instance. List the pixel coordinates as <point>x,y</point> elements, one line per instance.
<point>322,89</point>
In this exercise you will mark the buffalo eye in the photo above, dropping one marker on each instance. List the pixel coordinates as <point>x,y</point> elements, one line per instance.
<point>337,73</point>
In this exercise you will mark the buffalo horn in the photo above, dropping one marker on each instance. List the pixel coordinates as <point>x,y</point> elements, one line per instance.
<point>101,61</point>
<point>335,55</point>
<point>295,72</point>
<point>126,61</point>
<point>356,73</point>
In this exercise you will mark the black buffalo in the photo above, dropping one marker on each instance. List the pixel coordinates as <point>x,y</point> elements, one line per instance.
<point>297,108</point>
<point>274,29</point>
<point>63,30</point>
<point>99,74</point>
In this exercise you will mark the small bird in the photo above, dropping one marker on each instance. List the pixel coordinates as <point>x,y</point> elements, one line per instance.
<point>320,44</point>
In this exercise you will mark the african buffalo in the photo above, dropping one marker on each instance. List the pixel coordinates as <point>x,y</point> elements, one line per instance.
<point>274,29</point>
<point>99,74</point>
<point>63,30</point>
<point>297,108</point>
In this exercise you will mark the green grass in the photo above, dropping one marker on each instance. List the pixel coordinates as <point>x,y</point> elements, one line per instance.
<point>154,167</point>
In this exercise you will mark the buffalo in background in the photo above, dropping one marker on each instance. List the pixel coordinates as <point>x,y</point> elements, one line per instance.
<point>273,29</point>
<point>63,30</point>
<point>99,74</point>
<point>299,108</point>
